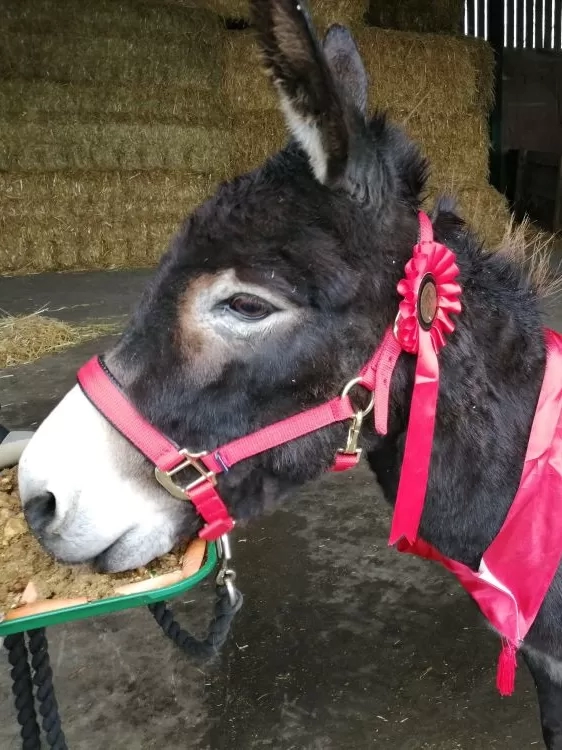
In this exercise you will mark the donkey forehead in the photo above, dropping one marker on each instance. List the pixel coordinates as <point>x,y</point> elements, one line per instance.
<point>281,245</point>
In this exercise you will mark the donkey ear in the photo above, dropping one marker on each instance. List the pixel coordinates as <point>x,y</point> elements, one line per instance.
<point>310,96</point>
<point>347,67</point>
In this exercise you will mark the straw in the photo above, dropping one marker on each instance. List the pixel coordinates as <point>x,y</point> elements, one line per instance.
<point>26,338</point>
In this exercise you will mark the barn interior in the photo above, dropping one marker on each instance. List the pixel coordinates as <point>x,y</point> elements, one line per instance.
<point>117,118</point>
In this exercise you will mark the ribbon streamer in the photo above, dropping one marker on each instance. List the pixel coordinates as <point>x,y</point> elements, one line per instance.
<point>419,442</point>
<point>433,264</point>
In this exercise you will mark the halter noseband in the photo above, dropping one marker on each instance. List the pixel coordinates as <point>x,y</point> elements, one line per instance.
<point>420,326</point>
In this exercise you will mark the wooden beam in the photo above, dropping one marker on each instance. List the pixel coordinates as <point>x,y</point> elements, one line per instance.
<point>557,220</point>
<point>520,24</point>
<point>548,24</point>
<point>558,25</point>
<point>539,41</point>
<point>529,42</point>
<point>495,38</point>
<point>519,197</point>
<point>510,23</point>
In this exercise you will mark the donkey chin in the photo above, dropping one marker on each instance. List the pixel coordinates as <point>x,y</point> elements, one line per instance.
<point>89,497</point>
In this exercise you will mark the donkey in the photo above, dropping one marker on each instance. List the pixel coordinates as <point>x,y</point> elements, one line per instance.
<point>271,296</point>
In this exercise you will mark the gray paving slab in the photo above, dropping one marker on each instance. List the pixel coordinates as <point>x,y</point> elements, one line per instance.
<point>74,297</point>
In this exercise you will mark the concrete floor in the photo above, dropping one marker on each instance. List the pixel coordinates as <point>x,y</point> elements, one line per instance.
<point>342,643</point>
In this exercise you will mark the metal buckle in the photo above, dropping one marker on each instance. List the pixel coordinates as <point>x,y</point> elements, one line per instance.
<point>192,460</point>
<point>355,427</point>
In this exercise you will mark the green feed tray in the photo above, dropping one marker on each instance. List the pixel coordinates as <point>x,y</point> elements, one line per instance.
<point>81,611</point>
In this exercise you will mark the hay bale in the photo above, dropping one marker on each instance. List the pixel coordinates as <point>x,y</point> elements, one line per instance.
<point>450,126</point>
<point>28,337</point>
<point>407,72</point>
<point>417,15</point>
<point>484,209</point>
<point>456,146</point>
<point>111,60</point>
<point>324,12</point>
<point>113,18</point>
<point>350,13</point>
<point>66,221</point>
<point>487,212</point>
<point>103,194</point>
<point>39,148</point>
<point>483,59</point>
<point>244,86</point>
<point>235,9</point>
<point>421,72</point>
<point>46,102</point>
<point>51,245</point>
<point>254,137</point>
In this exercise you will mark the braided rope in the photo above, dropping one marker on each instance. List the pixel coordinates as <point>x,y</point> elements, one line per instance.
<point>219,627</point>
<point>43,680</point>
<point>22,688</point>
<point>22,680</point>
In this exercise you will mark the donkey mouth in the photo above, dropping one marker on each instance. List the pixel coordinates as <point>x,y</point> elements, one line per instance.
<point>129,552</point>
<point>112,560</point>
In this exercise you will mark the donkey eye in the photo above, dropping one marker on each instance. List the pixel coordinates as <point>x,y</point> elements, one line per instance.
<point>250,307</point>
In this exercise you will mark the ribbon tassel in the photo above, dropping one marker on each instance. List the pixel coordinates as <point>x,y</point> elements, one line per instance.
<point>507,666</point>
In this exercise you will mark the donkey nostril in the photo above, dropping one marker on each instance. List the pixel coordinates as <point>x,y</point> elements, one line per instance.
<point>40,510</point>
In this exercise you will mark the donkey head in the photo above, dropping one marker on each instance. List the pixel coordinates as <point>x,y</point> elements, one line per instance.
<point>269,300</point>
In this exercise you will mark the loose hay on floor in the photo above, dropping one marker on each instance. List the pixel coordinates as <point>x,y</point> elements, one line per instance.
<point>26,338</point>
<point>22,560</point>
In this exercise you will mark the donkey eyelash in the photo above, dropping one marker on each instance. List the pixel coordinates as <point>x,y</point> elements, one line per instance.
<point>248,307</point>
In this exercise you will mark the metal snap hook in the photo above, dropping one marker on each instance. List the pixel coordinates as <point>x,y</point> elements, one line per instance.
<point>226,575</point>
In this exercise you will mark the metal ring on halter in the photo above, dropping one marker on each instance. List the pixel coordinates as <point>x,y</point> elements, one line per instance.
<point>395,327</point>
<point>361,413</point>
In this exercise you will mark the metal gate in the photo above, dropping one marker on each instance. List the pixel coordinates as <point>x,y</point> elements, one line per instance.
<point>531,24</point>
